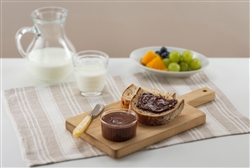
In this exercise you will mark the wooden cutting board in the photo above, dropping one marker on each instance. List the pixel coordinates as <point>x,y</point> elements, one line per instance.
<point>190,117</point>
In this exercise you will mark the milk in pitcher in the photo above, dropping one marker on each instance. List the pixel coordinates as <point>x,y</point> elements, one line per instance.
<point>50,64</point>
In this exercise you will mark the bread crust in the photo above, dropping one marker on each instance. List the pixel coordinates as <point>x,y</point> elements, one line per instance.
<point>127,95</point>
<point>154,119</point>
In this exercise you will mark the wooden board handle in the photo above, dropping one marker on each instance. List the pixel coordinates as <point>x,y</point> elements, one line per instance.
<point>199,97</point>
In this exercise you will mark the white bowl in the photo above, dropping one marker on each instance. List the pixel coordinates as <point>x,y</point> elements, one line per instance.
<point>137,55</point>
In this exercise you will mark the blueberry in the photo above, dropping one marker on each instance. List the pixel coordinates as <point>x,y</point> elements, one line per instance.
<point>158,52</point>
<point>165,54</point>
<point>163,50</point>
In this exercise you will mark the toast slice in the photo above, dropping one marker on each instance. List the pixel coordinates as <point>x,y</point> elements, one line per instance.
<point>148,117</point>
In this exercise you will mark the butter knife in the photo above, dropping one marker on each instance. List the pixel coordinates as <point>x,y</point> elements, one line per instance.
<point>87,120</point>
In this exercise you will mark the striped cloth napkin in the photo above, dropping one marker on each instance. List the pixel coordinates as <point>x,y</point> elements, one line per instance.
<point>38,114</point>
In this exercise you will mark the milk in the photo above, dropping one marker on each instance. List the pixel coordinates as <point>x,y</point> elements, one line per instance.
<point>90,77</point>
<point>50,64</point>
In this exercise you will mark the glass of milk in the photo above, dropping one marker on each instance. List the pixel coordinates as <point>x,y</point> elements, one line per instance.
<point>90,69</point>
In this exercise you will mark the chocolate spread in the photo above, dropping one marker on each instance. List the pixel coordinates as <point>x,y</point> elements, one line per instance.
<point>119,118</point>
<point>120,126</point>
<point>155,104</point>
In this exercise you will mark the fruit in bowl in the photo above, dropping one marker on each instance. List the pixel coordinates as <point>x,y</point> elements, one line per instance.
<point>171,61</point>
<point>185,70</point>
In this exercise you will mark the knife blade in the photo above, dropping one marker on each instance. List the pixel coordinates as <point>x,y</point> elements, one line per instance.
<point>80,128</point>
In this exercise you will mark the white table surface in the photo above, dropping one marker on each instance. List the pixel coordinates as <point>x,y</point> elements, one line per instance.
<point>231,75</point>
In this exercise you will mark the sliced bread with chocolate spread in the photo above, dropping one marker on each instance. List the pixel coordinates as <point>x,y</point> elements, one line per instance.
<point>131,90</point>
<point>155,107</point>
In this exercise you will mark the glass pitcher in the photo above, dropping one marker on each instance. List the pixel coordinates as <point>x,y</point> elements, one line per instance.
<point>49,56</point>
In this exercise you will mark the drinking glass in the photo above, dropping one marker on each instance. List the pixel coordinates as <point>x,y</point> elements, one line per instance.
<point>90,69</point>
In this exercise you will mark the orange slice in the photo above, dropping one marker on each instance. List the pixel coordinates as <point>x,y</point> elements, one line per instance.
<point>149,56</point>
<point>157,63</point>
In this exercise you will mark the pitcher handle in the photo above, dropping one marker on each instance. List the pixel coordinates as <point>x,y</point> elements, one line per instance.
<point>19,35</point>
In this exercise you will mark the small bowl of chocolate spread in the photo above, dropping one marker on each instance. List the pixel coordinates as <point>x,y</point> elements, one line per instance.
<point>118,124</point>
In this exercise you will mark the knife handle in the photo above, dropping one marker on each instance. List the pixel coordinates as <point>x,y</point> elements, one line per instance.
<point>82,126</point>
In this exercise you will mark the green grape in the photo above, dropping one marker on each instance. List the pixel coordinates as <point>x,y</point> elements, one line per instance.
<point>195,64</point>
<point>166,61</point>
<point>187,56</point>
<point>181,58</point>
<point>183,66</point>
<point>173,66</point>
<point>174,56</point>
